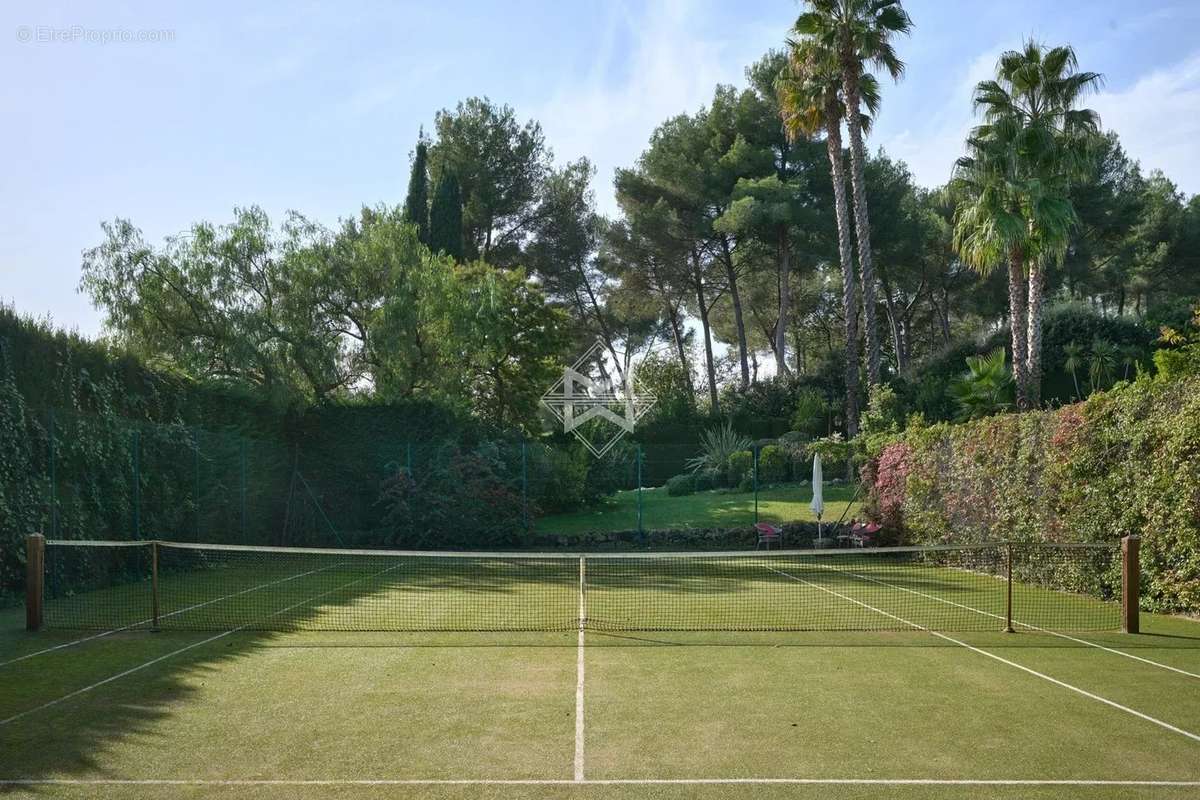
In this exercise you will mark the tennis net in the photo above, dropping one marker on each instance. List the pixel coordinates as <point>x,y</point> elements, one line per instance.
<point>170,585</point>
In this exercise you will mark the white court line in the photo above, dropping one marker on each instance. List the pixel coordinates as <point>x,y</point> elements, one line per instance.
<point>1002,660</point>
<point>1017,621</point>
<point>579,673</point>
<point>154,661</point>
<point>590,782</point>
<point>162,616</point>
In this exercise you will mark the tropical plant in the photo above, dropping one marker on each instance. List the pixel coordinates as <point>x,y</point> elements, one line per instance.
<point>1073,363</point>
<point>986,387</point>
<point>717,445</point>
<point>810,101</point>
<point>859,32</point>
<point>1102,363</point>
<point>1015,180</point>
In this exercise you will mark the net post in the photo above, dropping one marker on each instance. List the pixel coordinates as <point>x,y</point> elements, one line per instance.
<point>1130,584</point>
<point>154,584</point>
<point>35,580</point>
<point>1008,604</point>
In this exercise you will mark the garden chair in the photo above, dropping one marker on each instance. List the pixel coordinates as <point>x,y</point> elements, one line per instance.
<point>768,533</point>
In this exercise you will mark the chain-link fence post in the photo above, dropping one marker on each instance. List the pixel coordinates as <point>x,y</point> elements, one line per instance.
<point>136,447</point>
<point>641,529</point>
<point>242,461</point>
<point>754,451</point>
<point>53,455</point>
<point>525,484</point>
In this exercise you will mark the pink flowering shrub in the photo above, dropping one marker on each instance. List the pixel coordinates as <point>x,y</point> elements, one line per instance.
<point>1125,462</point>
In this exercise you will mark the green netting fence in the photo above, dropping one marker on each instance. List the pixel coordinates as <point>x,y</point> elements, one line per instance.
<point>91,476</point>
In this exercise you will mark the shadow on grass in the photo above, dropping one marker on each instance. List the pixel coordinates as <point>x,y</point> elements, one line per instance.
<point>227,609</point>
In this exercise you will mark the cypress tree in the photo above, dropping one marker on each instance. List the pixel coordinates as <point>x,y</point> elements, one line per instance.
<point>446,218</point>
<point>416,205</point>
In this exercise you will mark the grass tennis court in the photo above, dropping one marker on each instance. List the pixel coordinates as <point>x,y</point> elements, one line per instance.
<point>266,680</point>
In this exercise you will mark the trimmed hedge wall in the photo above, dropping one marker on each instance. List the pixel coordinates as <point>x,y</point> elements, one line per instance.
<point>1124,462</point>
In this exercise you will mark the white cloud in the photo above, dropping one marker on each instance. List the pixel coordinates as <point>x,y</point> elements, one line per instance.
<point>931,147</point>
<point>667,67</point>
<point>1158,120</point>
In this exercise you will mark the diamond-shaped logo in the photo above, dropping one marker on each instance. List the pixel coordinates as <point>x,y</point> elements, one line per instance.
<point>586,391</point>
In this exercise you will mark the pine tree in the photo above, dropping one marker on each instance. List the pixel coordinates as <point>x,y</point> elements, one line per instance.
<point>416,205</point>
<point>446,218</point>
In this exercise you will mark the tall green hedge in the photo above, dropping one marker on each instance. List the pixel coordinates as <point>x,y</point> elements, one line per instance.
<point>1125,462</point>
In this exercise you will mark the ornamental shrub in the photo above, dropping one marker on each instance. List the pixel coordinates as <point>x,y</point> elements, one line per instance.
<point>739,466</point>
<point>1124,462</point>
<point>772,464</point>
<point>680,485</point>
<point>706,479</point>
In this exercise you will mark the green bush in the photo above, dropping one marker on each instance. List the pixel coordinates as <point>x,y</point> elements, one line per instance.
<point>739,466</point>
<point>680,485</point>
<point>1125,462</point>
<point>772,464</point>
<point>706,479</point>
<point>812,413</point>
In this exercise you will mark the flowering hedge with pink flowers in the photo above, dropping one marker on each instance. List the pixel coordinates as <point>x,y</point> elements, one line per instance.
<point>1124,462</point>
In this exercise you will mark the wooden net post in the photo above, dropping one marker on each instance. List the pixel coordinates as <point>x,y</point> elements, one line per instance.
<point>35,580</point>
<point>154,582</point>
<point>1008,626</point>
<point>1130,584</point>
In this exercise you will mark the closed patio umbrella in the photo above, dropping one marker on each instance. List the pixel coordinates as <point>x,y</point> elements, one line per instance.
<point>818,500</point>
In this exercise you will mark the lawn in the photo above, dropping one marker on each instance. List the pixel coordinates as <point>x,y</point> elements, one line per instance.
<point>712,509</point>
<point>230,712</point>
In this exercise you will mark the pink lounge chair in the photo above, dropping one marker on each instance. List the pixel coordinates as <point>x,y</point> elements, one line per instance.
<point>768,534</point>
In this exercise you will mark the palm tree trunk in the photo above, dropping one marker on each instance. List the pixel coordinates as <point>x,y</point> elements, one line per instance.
<point>785,302</point>
<point>862,222</point>
<point>702,310</point>
<point>833,144</point>
<point>1033,369</point>
<point>1018,323</point>
<point>735,298</point>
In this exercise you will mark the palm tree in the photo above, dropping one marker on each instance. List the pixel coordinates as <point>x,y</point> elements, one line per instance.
<point>1072,363</point>
<point>1021,161</point>
<point>810,101</point>
<point>1102,362</point>
<point>989,229</point>
<point>985,388</point>
<point>859,32</point>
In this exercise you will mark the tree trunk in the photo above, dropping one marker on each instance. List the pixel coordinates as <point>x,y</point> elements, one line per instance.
<point>1018,320</point>
<point>785,302</point>
<point>833,144</point>
<point>862,222</point>
<point>889,305</point>
<point>943,310</point>
<point>1033,369</point>
<point>702,309</point>
<point>736,299</point>
<point>680,349</point>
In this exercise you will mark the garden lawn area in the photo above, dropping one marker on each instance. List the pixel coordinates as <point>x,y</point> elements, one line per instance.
<point>711,509</point>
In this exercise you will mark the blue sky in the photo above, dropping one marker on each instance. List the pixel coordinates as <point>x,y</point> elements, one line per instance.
<point>315,106</point>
